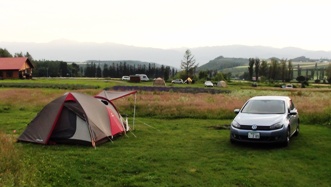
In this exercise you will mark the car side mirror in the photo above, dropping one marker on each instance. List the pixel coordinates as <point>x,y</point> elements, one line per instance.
<point>293,112</point>
<point>236,111</point>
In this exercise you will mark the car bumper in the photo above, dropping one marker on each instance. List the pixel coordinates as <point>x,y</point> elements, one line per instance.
<point>266,136</point>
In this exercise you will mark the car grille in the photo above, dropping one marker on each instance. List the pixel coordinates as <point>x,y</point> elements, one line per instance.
<point>249,127</point>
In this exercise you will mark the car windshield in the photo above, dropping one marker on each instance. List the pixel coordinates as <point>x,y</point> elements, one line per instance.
<point>264,107</point>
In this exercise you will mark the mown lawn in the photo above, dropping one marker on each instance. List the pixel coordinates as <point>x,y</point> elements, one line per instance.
<point>183,152</point>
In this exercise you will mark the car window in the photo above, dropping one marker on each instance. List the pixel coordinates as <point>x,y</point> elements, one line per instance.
<point>264,107</point>
<point>291,105</point>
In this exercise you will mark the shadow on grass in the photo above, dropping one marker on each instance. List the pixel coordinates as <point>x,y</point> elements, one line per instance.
<point>258,146</point>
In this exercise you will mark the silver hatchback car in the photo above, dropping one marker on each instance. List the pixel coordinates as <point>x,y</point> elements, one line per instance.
<point>265,119</point>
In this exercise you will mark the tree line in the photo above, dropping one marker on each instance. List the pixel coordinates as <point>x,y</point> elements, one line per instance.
<point>283,70</point>
<point>49,68</point>
<point>5,53</point>
<point>275,70</point>
<point>112,69</point>
<point>45,68</point>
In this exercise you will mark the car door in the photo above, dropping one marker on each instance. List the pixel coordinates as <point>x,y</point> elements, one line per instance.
<point>293,118</point>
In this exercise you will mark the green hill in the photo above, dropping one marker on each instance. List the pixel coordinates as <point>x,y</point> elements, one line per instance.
<point>220,63</point>
<point>237,66</point>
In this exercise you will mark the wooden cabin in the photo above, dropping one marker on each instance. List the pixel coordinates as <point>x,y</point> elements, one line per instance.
<point>15,68</point>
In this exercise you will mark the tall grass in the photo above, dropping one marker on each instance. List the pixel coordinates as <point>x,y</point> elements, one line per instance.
<point>28,98</point>
<point>314,107</point>
<point>14,168</point>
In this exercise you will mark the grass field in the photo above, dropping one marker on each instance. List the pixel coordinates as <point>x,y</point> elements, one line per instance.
<point>182,152</point>
<point>178,140</point>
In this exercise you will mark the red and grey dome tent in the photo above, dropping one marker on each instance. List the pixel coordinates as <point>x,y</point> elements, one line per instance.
<point>76,118</point>
<point>108,96</point>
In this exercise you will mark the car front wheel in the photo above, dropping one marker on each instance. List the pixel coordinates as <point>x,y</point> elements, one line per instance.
<point>287,140</point>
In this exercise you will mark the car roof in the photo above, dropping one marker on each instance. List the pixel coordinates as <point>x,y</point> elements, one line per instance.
<point>284,98</point>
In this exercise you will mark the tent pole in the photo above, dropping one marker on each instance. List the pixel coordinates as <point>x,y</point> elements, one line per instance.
<point>134,110</point>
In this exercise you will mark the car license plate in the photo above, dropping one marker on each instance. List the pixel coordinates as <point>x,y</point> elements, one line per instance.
<point>254,135</point>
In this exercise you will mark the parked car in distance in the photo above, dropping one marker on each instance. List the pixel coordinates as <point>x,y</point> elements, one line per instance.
<point>265,119</point>
<point>177,81</point>
<point>209,84</point>
<point>125,78</point>
<point>289,86</point>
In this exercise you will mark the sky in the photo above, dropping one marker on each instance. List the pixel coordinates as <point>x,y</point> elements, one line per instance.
<point>170,23</point>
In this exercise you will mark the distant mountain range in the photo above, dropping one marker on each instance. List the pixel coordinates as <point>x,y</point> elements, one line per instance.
<point>72,51</point>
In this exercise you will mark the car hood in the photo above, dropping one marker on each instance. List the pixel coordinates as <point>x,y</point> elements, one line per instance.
<point>258,119</point>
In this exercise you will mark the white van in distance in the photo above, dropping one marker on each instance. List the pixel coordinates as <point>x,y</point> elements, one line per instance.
<point>143,77</point>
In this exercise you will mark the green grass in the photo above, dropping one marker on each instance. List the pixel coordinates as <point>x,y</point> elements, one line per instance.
<point>166,151</point>
<point>184,152</point>
<point>101,83</point>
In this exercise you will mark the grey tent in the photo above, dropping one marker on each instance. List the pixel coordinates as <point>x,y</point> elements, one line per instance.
<point>221,84</point>
<point>159,82</point>
<point>75,118</point>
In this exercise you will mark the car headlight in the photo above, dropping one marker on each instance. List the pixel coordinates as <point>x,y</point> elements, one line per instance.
<point>235,124</point>
<point>277,125</point>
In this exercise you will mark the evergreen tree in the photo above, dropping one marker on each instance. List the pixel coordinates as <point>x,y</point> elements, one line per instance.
<point>290,70</point>
<point>188,63</point>
<point>28,56</point>
<point>251,67</point>
<point>98,71</point>
<point>283,70</point>
<point>18,54</point>
<point>299,70</point>
<point>166,73</point>
<point>257,68</point>
<point>75,70</point>
<point>5,53</point>
<point>203,75</point>
<point>273,69</point>
<point>264,68</point>
<point>63,69</point>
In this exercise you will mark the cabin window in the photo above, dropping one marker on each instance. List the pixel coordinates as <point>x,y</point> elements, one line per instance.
<point>9,74</point>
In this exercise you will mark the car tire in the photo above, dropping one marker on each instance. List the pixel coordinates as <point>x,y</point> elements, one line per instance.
<point>287,140</point>
<point>297,131</point>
